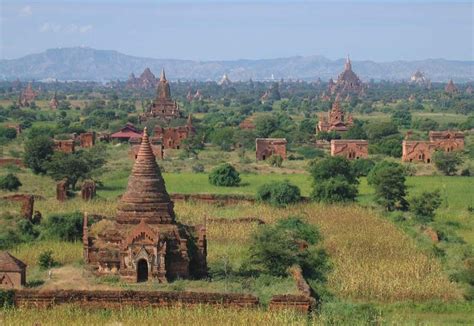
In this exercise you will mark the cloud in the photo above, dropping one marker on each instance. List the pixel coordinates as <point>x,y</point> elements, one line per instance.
<point>26,11</point>
<point>50,27</point>
<point>68,29</point>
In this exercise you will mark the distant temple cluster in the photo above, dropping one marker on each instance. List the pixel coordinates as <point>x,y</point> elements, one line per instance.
<point>144,241</point>
<point>423,150</point>
<point>27,96</point>
<point>147,80</point>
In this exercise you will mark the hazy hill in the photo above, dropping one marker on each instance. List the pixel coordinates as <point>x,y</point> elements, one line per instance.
<point>81,63</point>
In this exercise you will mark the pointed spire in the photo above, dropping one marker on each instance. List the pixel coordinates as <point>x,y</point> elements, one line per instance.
<point>162,75</point>
<point>190,122</point>
<point>348,65</point>
<point>146,196</point>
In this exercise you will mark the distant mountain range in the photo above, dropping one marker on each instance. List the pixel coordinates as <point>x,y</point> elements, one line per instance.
<point>80,63</point>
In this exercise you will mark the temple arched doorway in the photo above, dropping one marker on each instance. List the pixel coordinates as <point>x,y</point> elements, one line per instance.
<point>142,270</point>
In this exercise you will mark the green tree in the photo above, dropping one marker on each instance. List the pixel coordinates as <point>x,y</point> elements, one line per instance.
<point>224,175</point>
<point>65,227</point>
<point>423,206</point>
<point>334,180</point>
<point>289,242</point>
<point>388,180</point>
<point>279,193</point>
<point>75,166</point>
<point>46,260</point>
<point>401,118</point>
<point>38,151</point>
<point>447,163</point>
<point>223,137</point>
<point>276,161</point>
<point>10,182</point>
<point>7,133</point>
<point>265,125</point>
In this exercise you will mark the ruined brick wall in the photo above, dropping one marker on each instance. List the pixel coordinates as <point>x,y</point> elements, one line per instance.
<point>118,299</point>
<point>212,199</point>
<point>349,148</point>
<point>27,204</point>
<point>66,146</point>
<point>302,302</point>
<point>266,147</point>
<point>11,161</point>
<point>87,139</point>
<point>88,190</point>
<point>61,190</point>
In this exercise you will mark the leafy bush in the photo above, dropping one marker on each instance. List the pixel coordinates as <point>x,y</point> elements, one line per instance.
<point>333,180</point>
<point>276,161</point>
<point>198,168</point>
<point>67,227</point>
<point>38,150</point>
<point>46,260</point>
<point>424,205</point>
<point>362,167</point>
<point>334,190</point>
<point>279,193</point>
<point>224,175</point>
<point>388,179</point>
<point>289,242</point>
<point>7,298</point>
<point>7,133</point>
<point>310,152</point>
<point>447,163</point>
<point>10,182</point>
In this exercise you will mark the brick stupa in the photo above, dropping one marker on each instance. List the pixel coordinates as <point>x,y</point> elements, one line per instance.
<point>145,241</point>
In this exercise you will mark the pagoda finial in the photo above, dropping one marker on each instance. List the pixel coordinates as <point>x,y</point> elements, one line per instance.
<point>162,76</point>
<point>348,63</point>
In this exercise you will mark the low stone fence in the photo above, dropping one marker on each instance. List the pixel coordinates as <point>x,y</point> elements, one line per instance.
<point>12,161</point>
<point>118,299</point>
<point>213,198</point>
<point>303,302</point>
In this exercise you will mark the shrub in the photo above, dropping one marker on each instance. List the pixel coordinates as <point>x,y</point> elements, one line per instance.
<point>424,205</point>
<point>224,175</point>
<point>447,163</point>
<point>7,133</point>
<point>38,150</point>
<point>67,227</point>
<point>198,168</point>
<point>362,167</point>
<point>310,152</point>
<point>334,190</point>
<point>10,182</point>
<point>7,298</point>
<point>388,179</point>
<point>46,260</point>
<point>279,193</point>
<point>276,161</point>
<point>333,180</point>
<point>289,242</point>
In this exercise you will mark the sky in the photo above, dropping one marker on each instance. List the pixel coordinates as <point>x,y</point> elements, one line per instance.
<point>226,30</point>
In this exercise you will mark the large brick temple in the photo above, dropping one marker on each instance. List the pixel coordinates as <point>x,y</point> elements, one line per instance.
<point>144,241</point>
<point>163,107</point>
<point>347,82</point>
